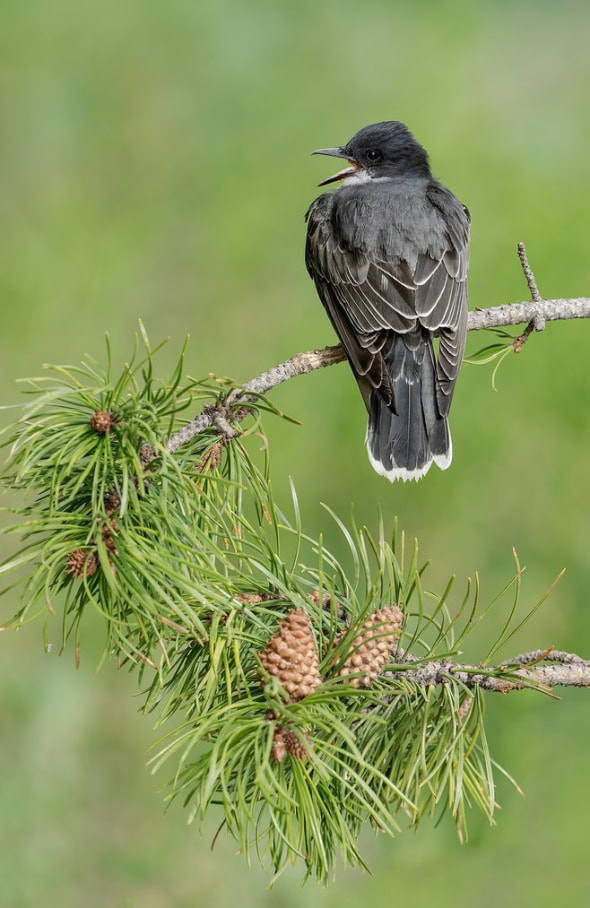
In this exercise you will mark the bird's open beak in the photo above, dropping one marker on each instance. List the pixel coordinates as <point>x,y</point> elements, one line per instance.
<point>347,172</point>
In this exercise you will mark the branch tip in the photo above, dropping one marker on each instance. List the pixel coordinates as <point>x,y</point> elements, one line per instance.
<point>529,275</point>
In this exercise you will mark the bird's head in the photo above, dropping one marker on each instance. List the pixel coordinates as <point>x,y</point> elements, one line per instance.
<point>380,151</point>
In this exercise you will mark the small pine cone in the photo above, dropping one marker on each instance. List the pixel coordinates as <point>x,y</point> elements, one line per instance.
<point>327,604</point>
<point>211,458</point>
<point>315,598</point>
<point>278,749</point>
<point>465,708</point>
<point>371,649</point>
<point>108,527</point>
<point>292,657</point>
<point>107,537</point>
<point>250,598</point>
<point>81,562</point>
<point>102,421</point>
<point>294,744</point>
<point>146,454</point>
<point>112,502</point>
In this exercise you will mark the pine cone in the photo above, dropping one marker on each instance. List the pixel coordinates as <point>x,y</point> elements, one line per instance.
<point>81,562</point>
<point>107,537</point>
<point>278,750</point>
<point>102,421</point>
<point>371,649</point>
<point>325,601</point>
<point>294,744</point>
<point>285,741</point>
<point>112,502</point>
<point>146,454</point>
<point>292,657</point>
<point>327,604</point>
<point>254,598</point>
<point>211,458</point>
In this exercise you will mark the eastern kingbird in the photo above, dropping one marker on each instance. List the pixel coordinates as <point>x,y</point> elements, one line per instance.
<point>389,253</point>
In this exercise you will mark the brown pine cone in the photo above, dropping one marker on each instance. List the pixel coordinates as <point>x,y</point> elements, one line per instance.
<point>102,421</point>
<point>278,750</point>
<point>292,657</point>
<point>112,502</point>
<point>107,537</point>
<point>295,745</point>
<point>211,458</point>
<point>371,648</point>
<point>286,741</point>
<point>81,562</point>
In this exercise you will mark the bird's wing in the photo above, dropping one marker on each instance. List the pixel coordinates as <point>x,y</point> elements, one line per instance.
<point>368,294</point>
<point>449,314</point>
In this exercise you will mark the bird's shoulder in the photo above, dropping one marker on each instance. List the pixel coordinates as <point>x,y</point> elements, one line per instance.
<point>455,214</point>
<point>319,208</point>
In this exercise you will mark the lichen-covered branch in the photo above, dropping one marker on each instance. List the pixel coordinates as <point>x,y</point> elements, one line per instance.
<point>528,311</point>
<point>242,398</point>
<point>564,670</point>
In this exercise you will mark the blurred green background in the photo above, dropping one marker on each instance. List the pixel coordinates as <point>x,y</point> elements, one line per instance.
<point>154,164</point>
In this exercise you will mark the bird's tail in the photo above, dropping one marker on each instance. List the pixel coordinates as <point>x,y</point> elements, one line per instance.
<point>404,438</point>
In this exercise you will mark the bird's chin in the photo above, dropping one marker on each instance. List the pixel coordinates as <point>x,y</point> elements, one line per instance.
<point>355,173</point>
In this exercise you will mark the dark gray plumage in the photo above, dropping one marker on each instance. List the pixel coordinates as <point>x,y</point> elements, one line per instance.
<point>389,254</point>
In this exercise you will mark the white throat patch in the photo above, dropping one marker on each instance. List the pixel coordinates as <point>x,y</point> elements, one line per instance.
<point>362,176</point>
<point>359,176</point>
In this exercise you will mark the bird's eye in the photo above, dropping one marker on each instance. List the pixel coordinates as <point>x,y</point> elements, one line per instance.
<point>374,155</point>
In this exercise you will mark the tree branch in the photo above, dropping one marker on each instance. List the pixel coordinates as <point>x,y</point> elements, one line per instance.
<point>239,402</point>
<point>242,398</point>
<point>517,313</point>
<point>567,670</point>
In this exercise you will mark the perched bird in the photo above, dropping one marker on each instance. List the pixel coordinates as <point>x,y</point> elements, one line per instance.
<point>389,252</point>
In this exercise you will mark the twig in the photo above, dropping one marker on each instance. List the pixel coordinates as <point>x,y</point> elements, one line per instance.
<point>517,313</point>
<point>537,322</point>
<point>300,364</point>
<point>528,273</point>
<point>244,397</point>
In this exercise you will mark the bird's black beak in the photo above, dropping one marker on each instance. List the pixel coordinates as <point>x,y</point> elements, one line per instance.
<point>342,174</point>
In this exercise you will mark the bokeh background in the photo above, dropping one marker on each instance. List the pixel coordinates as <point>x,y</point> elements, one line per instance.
<point>154,164</point>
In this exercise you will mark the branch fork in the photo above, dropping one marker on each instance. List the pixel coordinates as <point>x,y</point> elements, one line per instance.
<point>537,322</point>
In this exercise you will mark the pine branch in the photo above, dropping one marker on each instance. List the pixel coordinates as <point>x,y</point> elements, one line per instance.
<point>242,398</point>
<point>518,313</point>
<point>568,670</point>
<point>355,709</point>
